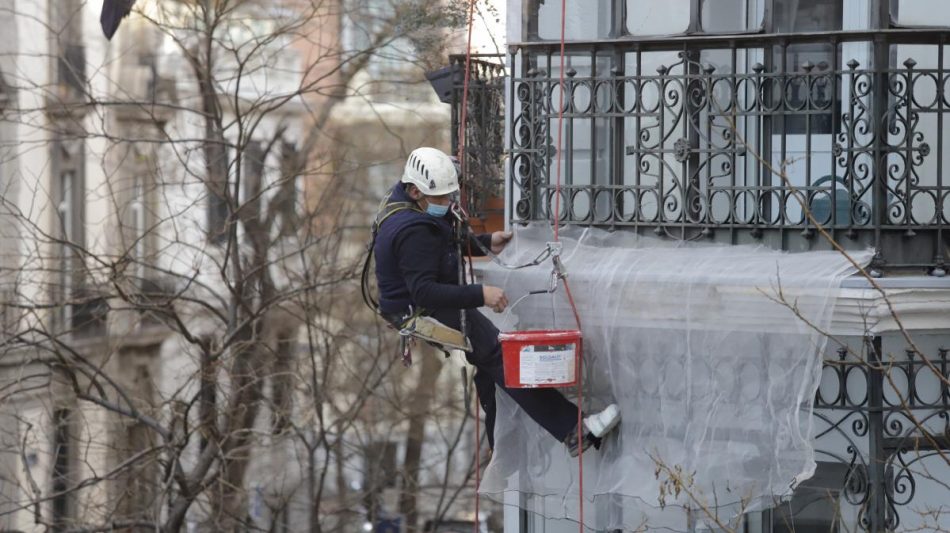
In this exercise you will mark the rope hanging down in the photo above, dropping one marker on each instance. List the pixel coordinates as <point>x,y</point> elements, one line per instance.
<point>462,167</point>
<point>551,251</point>
<point>567,288</point>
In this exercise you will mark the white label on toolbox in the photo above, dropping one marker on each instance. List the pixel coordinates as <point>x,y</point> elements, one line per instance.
<point>542,364</point>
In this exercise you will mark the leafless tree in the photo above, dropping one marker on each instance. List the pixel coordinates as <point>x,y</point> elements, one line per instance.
<point>183,340</point>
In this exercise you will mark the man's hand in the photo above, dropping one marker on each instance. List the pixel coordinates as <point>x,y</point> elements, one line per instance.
<point>499,240</point>
<point>494,298</point>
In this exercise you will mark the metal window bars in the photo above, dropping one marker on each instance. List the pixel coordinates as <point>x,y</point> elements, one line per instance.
<point>729,139</point>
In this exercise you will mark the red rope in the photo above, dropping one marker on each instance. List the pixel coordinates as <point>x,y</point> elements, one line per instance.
<point>468,74</point>
<point>462,165</point>
<point>567,288</point>
<point>557,220</point>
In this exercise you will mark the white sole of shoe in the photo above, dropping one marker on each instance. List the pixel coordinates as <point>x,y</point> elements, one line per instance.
<point>603,422</point>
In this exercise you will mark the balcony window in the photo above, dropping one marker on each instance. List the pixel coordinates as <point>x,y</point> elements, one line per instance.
<point>370,25</point>
<point>649,17</point>
<point>373,26</point>
<point>603,19</point>
<point>138,225</point>
<point>70,61</point>
<point>62,470</point>
<point>920,13</point>
<point>587,140</point>
<point>138,485</point>
<point>584,19</point>
<point>732,16</point>
<point>68,187</point>
<point>801,16</point>
<point>67,211</point>
<point>71,70</point>
<point>814,90</point>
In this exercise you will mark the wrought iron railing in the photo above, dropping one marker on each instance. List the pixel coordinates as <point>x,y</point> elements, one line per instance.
<point>736,139</point>
<point>483,171</point>
<point>886,417</point>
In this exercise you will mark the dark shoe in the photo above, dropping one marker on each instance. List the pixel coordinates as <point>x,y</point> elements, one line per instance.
<point>595,426</point>
<point>571,442</point>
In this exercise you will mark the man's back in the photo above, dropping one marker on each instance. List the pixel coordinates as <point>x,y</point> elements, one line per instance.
<point>416,263</point>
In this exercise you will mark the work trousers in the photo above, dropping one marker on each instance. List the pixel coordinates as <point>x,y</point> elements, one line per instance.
<point>548,407</point>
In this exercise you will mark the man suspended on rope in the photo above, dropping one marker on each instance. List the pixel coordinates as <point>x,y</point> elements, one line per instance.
<point>417,271</point>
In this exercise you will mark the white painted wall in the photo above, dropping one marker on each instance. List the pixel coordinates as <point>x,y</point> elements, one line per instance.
<point>659,18</point>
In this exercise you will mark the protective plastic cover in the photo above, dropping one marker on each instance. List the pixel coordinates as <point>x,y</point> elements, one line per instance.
<point>713,354</point>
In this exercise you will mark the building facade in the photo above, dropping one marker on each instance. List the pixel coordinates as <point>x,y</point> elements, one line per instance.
<point>790,124</point>
<point>177,237</point>
<point>99,143</point>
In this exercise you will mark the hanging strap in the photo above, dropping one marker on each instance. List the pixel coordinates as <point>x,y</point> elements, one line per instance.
<point>416,324</point>
<point>386,209</point>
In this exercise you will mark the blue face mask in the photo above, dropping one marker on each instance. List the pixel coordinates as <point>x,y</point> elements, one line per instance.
<point>437,210</point>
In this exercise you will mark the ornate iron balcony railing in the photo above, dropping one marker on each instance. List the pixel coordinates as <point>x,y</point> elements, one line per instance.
<point>736,139</point>
<point>483,172</point>
<point>885,417</point>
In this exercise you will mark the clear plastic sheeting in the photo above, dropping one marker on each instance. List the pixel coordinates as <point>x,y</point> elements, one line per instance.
<point>714,374</point>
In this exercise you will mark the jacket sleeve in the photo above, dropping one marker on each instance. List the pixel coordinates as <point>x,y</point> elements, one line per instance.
<point>414,248</point>
<point>484,238</point>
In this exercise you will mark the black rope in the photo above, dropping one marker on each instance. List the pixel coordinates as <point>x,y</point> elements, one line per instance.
<point>542,256</point>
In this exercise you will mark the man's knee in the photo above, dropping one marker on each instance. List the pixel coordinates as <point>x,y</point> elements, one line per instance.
<point>485,357</point>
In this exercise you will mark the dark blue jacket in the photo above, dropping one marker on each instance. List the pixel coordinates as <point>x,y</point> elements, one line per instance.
<point>417,262</point>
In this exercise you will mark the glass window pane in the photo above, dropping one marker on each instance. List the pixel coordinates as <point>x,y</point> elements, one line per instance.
<point>809,511</point>
<point>584,19</point>
<point>726,16</point>
<point>514,29</point>
<point>650,17</point>
<point>799,16</point>
<point>920,12</point>
<point>856,14</point>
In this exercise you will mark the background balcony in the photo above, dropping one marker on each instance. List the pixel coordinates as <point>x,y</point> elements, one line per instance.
<point>483,172</point>
<point>733,139</point>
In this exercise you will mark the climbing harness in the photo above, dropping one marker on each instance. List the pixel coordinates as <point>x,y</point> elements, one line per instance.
<point>385,210</point>
<point>415,325</point>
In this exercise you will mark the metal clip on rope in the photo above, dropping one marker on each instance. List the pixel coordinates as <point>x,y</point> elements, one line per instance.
<point>460,215</point>
<point>558,272</point>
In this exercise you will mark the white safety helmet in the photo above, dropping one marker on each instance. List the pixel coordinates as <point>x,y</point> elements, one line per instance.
<point>432,171</point>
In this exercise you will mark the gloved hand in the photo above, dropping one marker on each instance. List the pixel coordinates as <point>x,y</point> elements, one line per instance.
<point>499,240</point>
<point>494,298</point>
